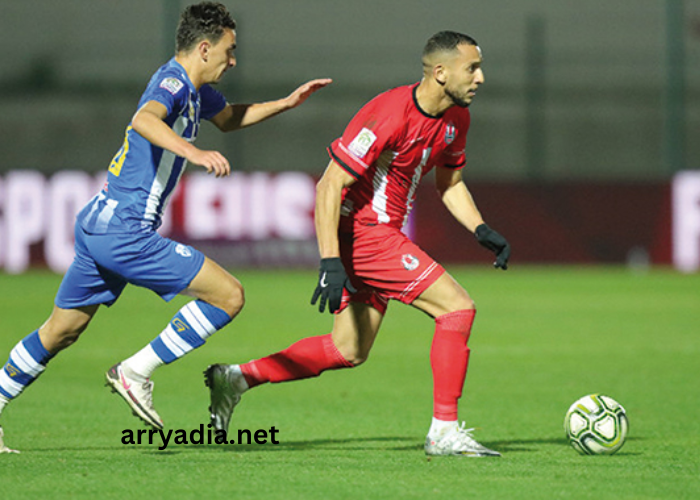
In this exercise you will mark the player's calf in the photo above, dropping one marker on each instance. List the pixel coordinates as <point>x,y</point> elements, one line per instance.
<point>306,358</point>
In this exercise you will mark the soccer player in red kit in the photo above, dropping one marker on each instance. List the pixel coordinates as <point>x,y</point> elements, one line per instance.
<point>363,200</point>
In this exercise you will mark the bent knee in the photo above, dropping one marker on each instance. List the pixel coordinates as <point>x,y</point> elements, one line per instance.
<point>357,360</point>
<point>234,298</point>
<point>353,356</point>
<point>460,302</point>
<point>462,305</point>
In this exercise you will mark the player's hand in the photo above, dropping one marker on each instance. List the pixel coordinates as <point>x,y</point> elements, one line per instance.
<point>213,161</point>
<point>304,91</point>
<point>490,239</point>
<point>331,281</point>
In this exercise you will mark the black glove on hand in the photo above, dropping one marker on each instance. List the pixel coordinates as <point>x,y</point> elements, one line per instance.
<point>331,281</point>
<point>490,239</point>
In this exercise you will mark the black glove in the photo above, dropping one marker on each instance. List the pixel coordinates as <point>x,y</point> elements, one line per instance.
<point>490,239</point>
<point>331,281</point>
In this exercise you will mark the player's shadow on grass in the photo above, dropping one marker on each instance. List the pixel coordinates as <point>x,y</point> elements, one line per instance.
<point>384,443</point>
<point>525,445</point>
<point>348,444</point>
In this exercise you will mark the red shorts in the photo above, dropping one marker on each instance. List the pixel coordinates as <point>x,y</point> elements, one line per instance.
<point>382,263</point>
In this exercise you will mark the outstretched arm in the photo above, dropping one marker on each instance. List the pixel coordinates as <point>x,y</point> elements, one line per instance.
<point>459,202</point>
<point>148,122</point>
<point>237,116</point>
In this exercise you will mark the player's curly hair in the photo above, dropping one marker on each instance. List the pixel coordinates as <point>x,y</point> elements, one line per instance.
<point>205,20</point>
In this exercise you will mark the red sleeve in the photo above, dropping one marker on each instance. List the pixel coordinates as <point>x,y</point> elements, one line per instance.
<point>368,134</point>
<point>454,156</point>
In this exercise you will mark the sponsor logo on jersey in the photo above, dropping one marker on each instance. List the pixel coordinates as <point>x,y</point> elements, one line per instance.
<point>172,85</point>
<point>183,250</point>
<point>410,262</point>
<point>362,142</point>
<point>449,133</point>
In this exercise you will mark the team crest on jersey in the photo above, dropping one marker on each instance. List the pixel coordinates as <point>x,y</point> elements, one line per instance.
<point>181,249</point>
<point>362,142</point>
<point>410,262</point>
<point>172,85</point>
<point>449,133</point>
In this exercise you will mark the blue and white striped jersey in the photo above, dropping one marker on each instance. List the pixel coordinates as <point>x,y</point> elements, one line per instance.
<point>142,176</point>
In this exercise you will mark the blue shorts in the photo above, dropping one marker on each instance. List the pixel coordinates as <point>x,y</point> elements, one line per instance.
<point>105,263</point>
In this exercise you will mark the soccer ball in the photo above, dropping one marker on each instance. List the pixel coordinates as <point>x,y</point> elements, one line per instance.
<point>596,425</point>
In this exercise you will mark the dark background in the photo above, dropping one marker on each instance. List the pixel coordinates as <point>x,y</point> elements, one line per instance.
<point>588,109</point>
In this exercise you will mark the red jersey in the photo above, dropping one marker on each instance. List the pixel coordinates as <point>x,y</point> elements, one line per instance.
<point>389,146</point>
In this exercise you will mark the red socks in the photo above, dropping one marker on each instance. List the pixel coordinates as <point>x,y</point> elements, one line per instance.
<point>304,359</point>
<point>309,357</point>
<point>449,357</point>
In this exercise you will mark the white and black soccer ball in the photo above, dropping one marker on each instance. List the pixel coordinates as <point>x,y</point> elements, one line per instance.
<point>596,425</point>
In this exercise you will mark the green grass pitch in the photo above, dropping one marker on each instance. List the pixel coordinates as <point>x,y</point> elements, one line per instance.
<point>544,336</point>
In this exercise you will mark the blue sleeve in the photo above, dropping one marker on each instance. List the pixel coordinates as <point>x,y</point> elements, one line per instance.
<point>212,102</point>
<point>170,91</point>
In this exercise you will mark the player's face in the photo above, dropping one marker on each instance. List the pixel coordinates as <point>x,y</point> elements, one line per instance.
<point>464,75</point>
<point>222,55</point>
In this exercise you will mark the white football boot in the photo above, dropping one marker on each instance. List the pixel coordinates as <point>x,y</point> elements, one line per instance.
<point>138,395</point>
<point>226,385</point>
<point>457,441</point>
<point>3,448</point>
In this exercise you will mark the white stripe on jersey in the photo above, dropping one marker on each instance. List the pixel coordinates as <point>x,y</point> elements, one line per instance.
<point>105,216</point>
<point>380,182</point>
<point>95,201</point>
<point>163,173</point>
<point>417,176</point>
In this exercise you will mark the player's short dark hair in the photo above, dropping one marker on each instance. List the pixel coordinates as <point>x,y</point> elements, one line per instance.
<point>446,41</point>
<point>205,20</point>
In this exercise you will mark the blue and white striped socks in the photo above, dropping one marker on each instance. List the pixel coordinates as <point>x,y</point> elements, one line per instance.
<point>188,329</point>
<point>26,362</point>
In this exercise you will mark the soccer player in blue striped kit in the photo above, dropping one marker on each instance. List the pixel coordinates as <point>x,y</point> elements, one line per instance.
<point>115,234</point>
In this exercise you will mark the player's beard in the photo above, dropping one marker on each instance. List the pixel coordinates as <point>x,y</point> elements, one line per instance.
<point>458,101</point>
